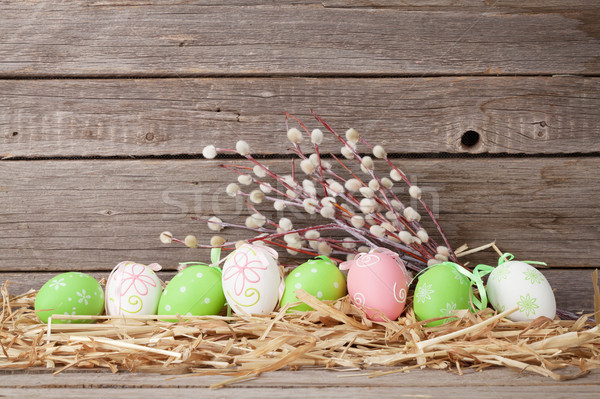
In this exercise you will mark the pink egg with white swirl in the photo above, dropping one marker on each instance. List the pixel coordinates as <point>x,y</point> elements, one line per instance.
<point>377,283</point>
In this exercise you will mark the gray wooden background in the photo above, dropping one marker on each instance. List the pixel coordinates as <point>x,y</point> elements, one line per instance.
<point>105,107</point>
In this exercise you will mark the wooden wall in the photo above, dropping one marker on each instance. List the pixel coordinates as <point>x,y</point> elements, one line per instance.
<point>105,107</point>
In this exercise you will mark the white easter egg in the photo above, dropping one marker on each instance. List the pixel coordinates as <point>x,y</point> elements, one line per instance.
<point>132,288</point>
<point>517,284</point>
<point>252,280</point>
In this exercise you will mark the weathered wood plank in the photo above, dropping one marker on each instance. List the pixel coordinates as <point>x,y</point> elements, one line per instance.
<point>573,287</point>
<point>90,215</point>
<point>107,38</point>
<point>41,118</point>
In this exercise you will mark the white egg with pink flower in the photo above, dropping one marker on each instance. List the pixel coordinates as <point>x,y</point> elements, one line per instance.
<point>252,280</point>
<point>133,288</point>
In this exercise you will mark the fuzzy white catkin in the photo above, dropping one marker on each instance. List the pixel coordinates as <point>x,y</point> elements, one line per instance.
<point>292,246</point>
<point>314,158</point>
<point>363,249</point>
<point>367,192</point>
<point>209,152</point>
<point>250,223</point>
<point>432,262</point>
<point>316,137</point>
<point>442,250</point>
<point>279,205</point>
<point>313,244</point>
<point>265,188</point>
<point>350,257</point>
<point>217,241</point>
<point>289,180</point>
<point>325,164</point>
<point>232,189</point>
<point>259,171</point>
<point>389,215</point>
<point>409,214</point>
<point>415,192</point>
<point>336,187</point>
<point>307,166</point>
<point>291,193</point>
<point>215,224</point>
<point>257,196</point>
<point>357,221</point>
<point>242,148</point>
<point>292,238</point>
<point>441,258</point>
<point>311,190</point>
<point>285,224</point>
<point>347,152</point>
<point>312,234</point>
<point>405,237</point>
<point>310,206</point>
<point>395,175</point>
<point>245,179</point>
<point>367,162</point>
<point>388,226</point>
<point>369,219</point>
<point>352,135</point>
<point>352,185</point>
<point>327,201</point>
<point>397,205</point>
<point>324,249</point>
<point>379,152</point>
<point>294,135</point>
<point>259,219</point>
<point>307,183</point>
<point>348,243</point>
<point>328,212</point>
<point>387,183</point>
<point>166,237</point>
<point>374,185</point>
<point>423,236</point>
<point>377,230</point>
<point>367,205</point>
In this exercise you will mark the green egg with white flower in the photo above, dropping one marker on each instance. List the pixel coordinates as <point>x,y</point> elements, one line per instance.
<point>319,277</point>
<point>194,291</point>
<point>440,291</point>
<point>72,294</point>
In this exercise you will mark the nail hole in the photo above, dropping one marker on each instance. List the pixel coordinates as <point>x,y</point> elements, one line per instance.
<point>149,136</point>
<point>469,138</point>
<point>218,110</point>
<point>15,134</point>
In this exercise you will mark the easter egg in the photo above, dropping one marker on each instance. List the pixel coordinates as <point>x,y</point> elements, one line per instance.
<point>517,284</point>
<point>319,277</point>
<point>194,291</point>
<point>440,291</point>
<point>252,280</point>
<point>70,293</point>
<point>377,283</point>
<point>133,288</point>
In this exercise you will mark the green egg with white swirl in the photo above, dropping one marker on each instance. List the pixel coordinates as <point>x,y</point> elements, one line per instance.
<point>194,291</point>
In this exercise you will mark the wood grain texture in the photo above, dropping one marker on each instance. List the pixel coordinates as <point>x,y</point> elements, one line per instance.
<point>307,383</point>
<point>90,215</point>
<point>140,38</point>
<point>141,117</point>
<point>573,287</point>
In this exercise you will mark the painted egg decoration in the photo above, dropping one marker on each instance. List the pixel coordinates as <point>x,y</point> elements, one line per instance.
<point>133,288</point>
<point>377,283</point>
<point>440,291</point>
<point>252,280</point>
<point>70,293</point>
<point>517,284</point>
<point>194,291</point>
<point>319,277</point>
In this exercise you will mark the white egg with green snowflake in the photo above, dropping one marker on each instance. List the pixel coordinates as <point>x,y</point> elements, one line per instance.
<point>517,284</point>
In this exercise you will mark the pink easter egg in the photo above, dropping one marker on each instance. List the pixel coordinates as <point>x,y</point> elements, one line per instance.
<point>377,283</point>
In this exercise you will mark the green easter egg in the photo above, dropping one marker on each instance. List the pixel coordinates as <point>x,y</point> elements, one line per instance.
<point>319,277</point>
<point>194,291</point>
<point>440,291</point>
<point>70,293</point>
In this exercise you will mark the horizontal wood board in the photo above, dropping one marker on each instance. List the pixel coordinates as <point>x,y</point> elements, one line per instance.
<point>89,215</point>
<point>149,117</point>
<point>573,288</point>
<point>307,383</point>
<point>192,38</point>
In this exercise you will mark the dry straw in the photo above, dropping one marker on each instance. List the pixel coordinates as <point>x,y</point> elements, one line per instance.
<point>335,334</point>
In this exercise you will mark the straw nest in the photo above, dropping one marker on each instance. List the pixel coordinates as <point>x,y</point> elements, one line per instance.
<point>335,334</point>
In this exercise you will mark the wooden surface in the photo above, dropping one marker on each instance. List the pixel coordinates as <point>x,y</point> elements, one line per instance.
<point>306,383</point>
<point>125,38</point>
<point>98,99</point>
<point>141,117</point>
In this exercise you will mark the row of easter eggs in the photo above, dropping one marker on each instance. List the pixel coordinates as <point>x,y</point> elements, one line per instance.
<point>251,282</point>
